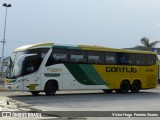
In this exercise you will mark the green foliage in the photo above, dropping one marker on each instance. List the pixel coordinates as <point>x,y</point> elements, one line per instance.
<point>146,42</point>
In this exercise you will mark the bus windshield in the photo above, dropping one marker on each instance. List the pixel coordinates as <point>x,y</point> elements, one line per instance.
<point>25,62</point>
<point>15,65</point>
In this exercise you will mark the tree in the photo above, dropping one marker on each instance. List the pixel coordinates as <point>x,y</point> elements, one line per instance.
<point>145,42</point>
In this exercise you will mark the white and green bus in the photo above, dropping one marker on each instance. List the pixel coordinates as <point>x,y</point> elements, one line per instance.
<point>48,67</point>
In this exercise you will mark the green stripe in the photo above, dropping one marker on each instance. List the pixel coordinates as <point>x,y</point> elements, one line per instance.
<point>85,74</point>
<point>92,74</point>
<point>79,74</point>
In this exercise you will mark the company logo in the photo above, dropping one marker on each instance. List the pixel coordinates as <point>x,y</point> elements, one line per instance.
<point>121,69</point>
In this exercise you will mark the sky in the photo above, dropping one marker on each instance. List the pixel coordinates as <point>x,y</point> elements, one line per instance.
<point>109,23</point>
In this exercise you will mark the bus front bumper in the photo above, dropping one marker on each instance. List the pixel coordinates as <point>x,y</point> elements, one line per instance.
<point>12,86</point>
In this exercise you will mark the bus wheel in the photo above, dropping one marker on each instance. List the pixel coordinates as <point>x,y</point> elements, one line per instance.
<point>135,87</point>
<point>35,92</point>
<point>117,90</point>
<point>107,91</point>
<point>50,88</point>
<point>124,88</point>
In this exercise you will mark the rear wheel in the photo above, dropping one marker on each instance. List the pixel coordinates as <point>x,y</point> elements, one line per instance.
<point>35,92</point>
<point>117,90</point>
<point>107,91</point>
<point>135,87</point>
<point>124,88</point>
<point>50,88</point>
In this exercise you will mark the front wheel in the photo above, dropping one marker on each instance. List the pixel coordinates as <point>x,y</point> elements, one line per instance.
<point>50,88</point>
<point>35,92</point>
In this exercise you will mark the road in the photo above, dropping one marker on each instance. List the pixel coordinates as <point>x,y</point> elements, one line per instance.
<point>146,100</point>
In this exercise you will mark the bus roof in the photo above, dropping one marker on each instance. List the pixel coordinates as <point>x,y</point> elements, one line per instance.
<point>27,47</point>
<point>101,48</point>
<point>79,47</point>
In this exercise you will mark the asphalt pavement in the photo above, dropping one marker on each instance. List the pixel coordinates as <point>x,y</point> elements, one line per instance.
<point>82,101</point>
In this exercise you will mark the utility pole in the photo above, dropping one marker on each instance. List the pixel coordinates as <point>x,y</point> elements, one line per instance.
<point>4,34</point>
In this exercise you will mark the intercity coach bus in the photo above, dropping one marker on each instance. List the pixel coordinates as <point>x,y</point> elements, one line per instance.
<point>49,67</point>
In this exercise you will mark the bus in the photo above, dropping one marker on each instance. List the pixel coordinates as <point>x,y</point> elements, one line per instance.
<point>49,67</point>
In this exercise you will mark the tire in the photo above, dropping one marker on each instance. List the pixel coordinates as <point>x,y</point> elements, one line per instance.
<point>117,90</point>
<point>135,87</point>
<point>108,91</point>
<point>124,88</point>
<point>35,92</point>
<point>50,88</point>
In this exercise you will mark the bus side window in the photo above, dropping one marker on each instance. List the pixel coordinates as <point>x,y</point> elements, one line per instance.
<point>141,59</point>
<point>57,56</point>
<point>30,66</point>
<point>110,58</point>
<point>40,54</point>
<point>124,59</point>
<point>131,59</point>
<point>151,59</point>
<point>77,56</point>
<point>127,59</point>
<point>95,57</point>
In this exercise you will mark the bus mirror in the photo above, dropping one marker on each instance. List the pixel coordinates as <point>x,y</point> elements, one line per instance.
<point>4,64</point>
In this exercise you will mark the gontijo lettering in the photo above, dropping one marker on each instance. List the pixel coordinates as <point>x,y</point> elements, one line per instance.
<point>121,69</point>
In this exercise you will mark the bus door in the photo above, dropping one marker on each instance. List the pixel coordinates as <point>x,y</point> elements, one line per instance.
<point>31,76</point>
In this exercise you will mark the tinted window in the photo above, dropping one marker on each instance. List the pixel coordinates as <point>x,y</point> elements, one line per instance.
<point>140,59</point>
<point>57,56</point>
<point>151,59</point>
<point>41,52</point>
<point>131,59</point>
<point>123,58</point>
<point>95,57</point>
<point>77,56</point>
<point>110,58</point>
<point>32,63</point>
